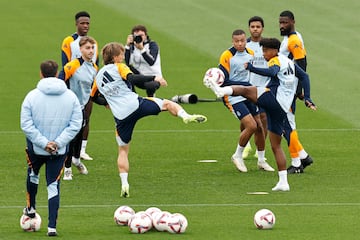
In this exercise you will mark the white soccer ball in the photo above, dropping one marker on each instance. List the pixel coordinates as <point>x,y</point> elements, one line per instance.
<point>264,219</point>
<point>30,224</point>
<point>214,75</point>
<point>177,223</point>
<point>140,223</point>
<point>151,211</point>
<point>122,215</point>
<point>160,220</point>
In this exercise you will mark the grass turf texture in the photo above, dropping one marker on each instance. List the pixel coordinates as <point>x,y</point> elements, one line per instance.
<point>322,203</point>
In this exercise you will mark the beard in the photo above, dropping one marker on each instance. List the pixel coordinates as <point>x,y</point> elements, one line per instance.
<point>284,32</point>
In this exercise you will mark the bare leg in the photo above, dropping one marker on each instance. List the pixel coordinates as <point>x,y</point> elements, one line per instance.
<point>279,154</point>
<point>249,125</point>
<point>264,123</point>
<point>259,134</point>
<point>171,106</point>
<point>249,92</point>
<point>122,160</point>
<point>123,167</point>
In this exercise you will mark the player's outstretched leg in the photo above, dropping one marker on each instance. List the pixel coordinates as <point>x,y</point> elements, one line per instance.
<point>176,110</point>
<point>211,83</point>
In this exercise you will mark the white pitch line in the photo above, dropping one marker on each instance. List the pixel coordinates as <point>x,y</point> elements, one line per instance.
<point>205,130</point>
<point>202,205</point>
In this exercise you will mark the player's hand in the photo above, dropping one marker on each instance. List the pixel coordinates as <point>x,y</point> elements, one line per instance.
<point>51,148</point>
<point>246,65</point>
<point>161,80</point>
<point>310,104</point>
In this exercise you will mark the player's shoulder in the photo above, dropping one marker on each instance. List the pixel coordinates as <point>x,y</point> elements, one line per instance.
<point>250,51</point>
<point>294,37</point>
<point>228,53</point>
<point>73,64</point>
<point>281,58</point>
<point>276,60</point>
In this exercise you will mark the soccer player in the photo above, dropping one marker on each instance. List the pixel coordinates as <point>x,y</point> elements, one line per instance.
<point>50,118</point>
<point>293,47</point>
<point>232,63</point>
<point>79,75</point>
<point>276,98</point>
<point>115,82</point>
<point>142,55</point>
<point>256,28</point>
<point>70,50</point>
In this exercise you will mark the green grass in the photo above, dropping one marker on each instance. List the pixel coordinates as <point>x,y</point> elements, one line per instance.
<point>322,204</point>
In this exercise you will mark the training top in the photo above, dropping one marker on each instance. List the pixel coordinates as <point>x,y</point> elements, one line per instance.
<point>51,112</point>
<point>232,64</point>
<point>283,82</point>
<point>293,46</point>
<point>112,84</point>
<point>70,49</point>
<point>258,61</point>
<point>79,76</point>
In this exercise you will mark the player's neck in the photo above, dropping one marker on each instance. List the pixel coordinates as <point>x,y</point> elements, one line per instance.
<point>255,39</point>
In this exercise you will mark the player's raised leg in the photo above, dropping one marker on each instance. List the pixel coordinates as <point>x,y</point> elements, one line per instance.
<point>176,110</point>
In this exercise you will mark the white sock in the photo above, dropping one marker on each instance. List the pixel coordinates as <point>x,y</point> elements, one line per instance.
<point>83,146</point>
<point>261,155</point>
<point>283,177</point>
<point>303,154</point>
<point>124,179</point>
<point>51,229</point>
<point>68,169</point>
<point>75,161</point>
<point>182,113</point>
<point>239,151</point>
<point>296,162</point>
<point>227,90</point>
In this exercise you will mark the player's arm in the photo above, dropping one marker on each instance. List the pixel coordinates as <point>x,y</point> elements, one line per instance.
<point>305,82</point>
<point>142,81</point>
<point>66,50</point>
<point>301,62</point>
<point>296,48</point>
<point>224,64</point>
<point>28,126</point>
<point>69,69</point>
<point>96,96</point>
<point>272,71</point>
<point>97,54</point>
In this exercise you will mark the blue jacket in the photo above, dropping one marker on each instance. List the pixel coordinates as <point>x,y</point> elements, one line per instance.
<point>51,112</point>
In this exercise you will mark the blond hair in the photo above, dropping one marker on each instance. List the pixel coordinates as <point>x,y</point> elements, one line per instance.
<point>111,50</point>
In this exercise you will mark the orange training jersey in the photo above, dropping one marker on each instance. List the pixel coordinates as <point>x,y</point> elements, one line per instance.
<point>293,46</point>
<point>70,49</point>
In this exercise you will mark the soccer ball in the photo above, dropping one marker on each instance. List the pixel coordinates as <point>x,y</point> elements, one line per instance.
<point>151,211</point>
<point>214,75</point>
<point>122,215</point>
<point>30,224</point>
<point>264,219</point>
<point>177,223</point>
<point>160,220</point>
<point>140,223</point>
